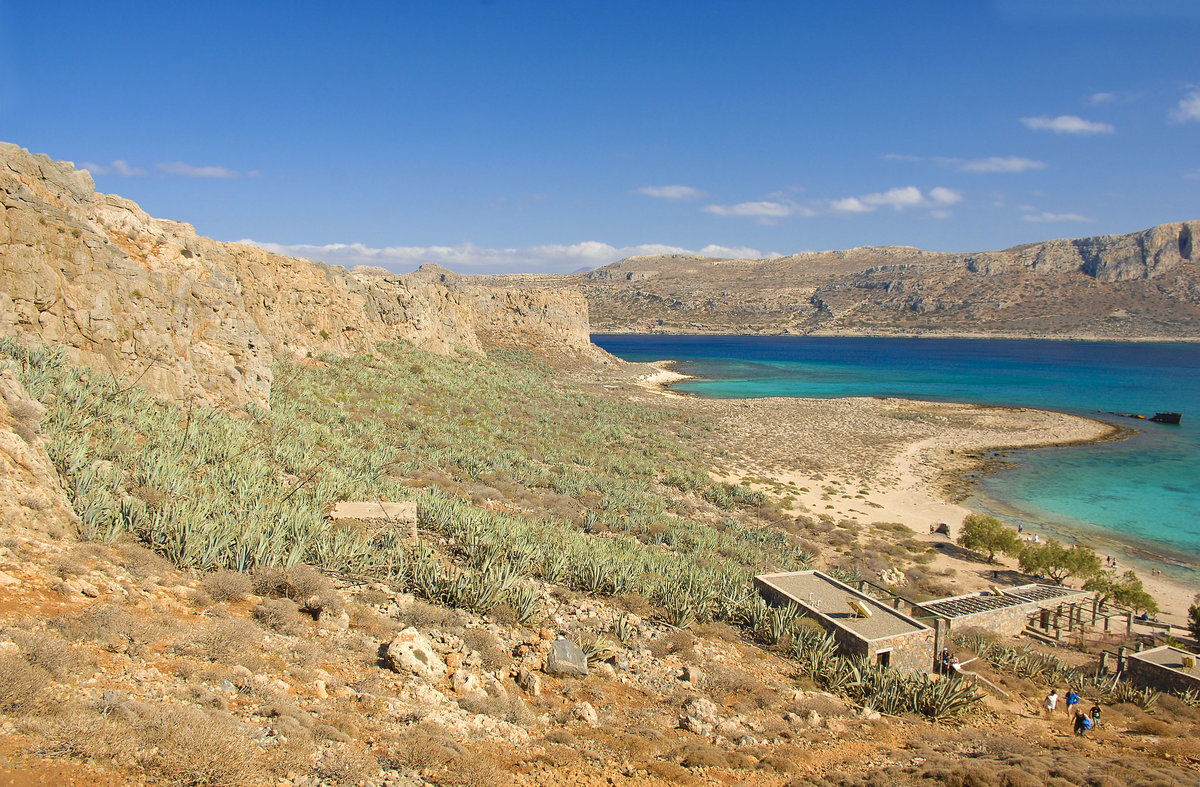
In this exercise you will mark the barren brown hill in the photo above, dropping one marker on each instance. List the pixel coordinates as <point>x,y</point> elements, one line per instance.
<point>149,299</point>
<point>1141,285</point>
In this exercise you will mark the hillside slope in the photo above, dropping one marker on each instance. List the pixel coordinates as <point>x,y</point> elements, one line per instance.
<point>148,299</point>
<point>1141,285</point>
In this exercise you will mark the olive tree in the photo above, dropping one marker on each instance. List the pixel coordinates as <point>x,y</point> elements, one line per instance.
<point>988,534</point>
<point>1057,562</point>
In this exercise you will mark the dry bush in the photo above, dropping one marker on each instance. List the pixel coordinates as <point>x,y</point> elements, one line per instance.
<point>511,708</point>
<point>724,680</point>
<point>279,614</point>
<point>22,686</point>
<point>48,650</point>
<point>104,624</point>
<point>491,650</point>
<point>373,597</point>
<point>717,630</point>
<point>669,771</point>
<point>228,641</point>
<point>1152,726</point>
<point>428,746</point>
<point>367,619</point>
<point>199,748</point>
<point>225,585</point>
<point>701,755</point>
<point>472,770</point>
<point>143,563</point>
<point>345,764</point>
<point>424,616</point>
<point>679,643</point>
<point>301,584</point>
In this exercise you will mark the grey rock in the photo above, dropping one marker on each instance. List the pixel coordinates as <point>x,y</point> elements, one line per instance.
<point>565,658</point>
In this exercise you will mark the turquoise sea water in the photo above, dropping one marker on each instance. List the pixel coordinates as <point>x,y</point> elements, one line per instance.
<point>1143,492</point>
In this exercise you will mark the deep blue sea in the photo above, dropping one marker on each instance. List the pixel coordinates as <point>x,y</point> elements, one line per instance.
<point>1143,492</point>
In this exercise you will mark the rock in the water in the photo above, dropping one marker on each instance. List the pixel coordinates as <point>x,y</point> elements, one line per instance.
<point>565,658</point>
<point>411,651</point>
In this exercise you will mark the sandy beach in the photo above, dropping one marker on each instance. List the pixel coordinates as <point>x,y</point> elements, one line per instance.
<point>869,461</point>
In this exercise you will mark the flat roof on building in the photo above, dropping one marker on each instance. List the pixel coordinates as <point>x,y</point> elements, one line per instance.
<point>972,603</point>
<point>1170,657</point>
<point>824,597</point>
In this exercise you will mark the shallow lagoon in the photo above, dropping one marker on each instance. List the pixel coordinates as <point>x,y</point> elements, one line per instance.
<point>1144,492</point>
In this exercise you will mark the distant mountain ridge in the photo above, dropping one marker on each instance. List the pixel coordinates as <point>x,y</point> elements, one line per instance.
<point>1135,286</point>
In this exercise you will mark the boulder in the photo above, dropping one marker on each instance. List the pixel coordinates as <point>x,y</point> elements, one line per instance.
<point>412,652</point>
<point>529,682</point>
<point>565,658</point>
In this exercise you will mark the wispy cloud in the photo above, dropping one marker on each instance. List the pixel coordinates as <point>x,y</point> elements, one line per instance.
<point>671,192</point>
<point>763,211</point>
<point>119,167</point>
<point>996,164</point>
<point>897,199</point>
<point>900,157</point>
<point>1188,108</point>
<point>1102,98</point>
<point>945,196</point>
<point>1068,124</point>
<point>469,258</point>
<point>188,171</point>
<point>1051,218</point>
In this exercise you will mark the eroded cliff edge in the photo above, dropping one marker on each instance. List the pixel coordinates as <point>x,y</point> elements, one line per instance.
<point>189,317</point>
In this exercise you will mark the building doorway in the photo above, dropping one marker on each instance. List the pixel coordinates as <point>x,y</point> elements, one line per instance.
<point>884,658</point>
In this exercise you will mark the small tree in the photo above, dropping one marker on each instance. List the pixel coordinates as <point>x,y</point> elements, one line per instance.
<point>1194,618</point>
<point>1057,562</point>
<point>1126,591</point>
<point>988,534</point>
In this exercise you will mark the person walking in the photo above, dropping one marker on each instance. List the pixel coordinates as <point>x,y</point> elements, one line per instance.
<point>1051,702</point>
<point>1095,714</point>
<point>1083,723</point>
<point>1072,701</point>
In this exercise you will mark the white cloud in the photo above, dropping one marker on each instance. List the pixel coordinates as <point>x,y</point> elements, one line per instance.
<point>997,164</point>
<point>1102,98</point>
<point>899,199</point>
<point>851,205</point>
<point>670,192</point>
<point>1188,108</point>
<point>1049,218</point>
<point>945,196</point>
<point>119,167</point>
<point>1068,124</point>
<point>763,209</point>
<point>469,258</point>
<point>189,171</point>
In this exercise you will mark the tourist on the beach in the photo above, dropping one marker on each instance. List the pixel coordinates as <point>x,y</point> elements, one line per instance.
<point>1051,702</point>
<point>1096,715</point>
<point>1082,723</point>
<point>1072,700</point>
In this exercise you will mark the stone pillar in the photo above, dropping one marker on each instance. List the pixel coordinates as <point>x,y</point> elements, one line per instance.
<point>1129,622</point>
<point>1104,662</point>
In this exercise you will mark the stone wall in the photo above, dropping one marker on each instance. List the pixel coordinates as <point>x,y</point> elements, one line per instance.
<point>1144,672</point>
<point>913,652</point>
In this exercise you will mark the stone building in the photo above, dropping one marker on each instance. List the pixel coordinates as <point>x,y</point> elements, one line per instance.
<point>886,636</point>
<point>1165,668</point>
<point>1007,612</point>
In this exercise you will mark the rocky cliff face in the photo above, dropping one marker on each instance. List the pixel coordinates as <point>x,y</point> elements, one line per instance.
<point>149,299</point>
<point>1141,285</point>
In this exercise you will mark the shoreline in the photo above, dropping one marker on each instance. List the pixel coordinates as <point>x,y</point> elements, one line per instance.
<point>685,331</point>
<point>919,477</point>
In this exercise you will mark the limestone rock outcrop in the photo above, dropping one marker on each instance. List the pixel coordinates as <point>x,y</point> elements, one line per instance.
<point>1141,285</point>
<point>189,317</point>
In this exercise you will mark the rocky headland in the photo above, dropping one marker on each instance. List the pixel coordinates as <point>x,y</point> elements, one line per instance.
<point>1143,285</point>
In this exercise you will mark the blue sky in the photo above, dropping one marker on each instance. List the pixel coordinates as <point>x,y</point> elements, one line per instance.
<point>516,135</point>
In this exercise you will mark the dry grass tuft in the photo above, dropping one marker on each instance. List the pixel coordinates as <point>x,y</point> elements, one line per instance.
<point>227,585</point>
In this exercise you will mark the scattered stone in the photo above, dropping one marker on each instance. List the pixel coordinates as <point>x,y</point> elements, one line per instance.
<point>584,712</point>
<point>8,579</point>
<point>319,690</point>
<point>692,675</point>
<point>465,683</point>
<point>411,651</point>
<point>703,709</point>
<point>565,658</point>
<point>530,682</point>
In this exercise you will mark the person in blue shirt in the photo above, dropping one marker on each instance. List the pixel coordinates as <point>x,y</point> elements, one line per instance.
<point>1072,700</point>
